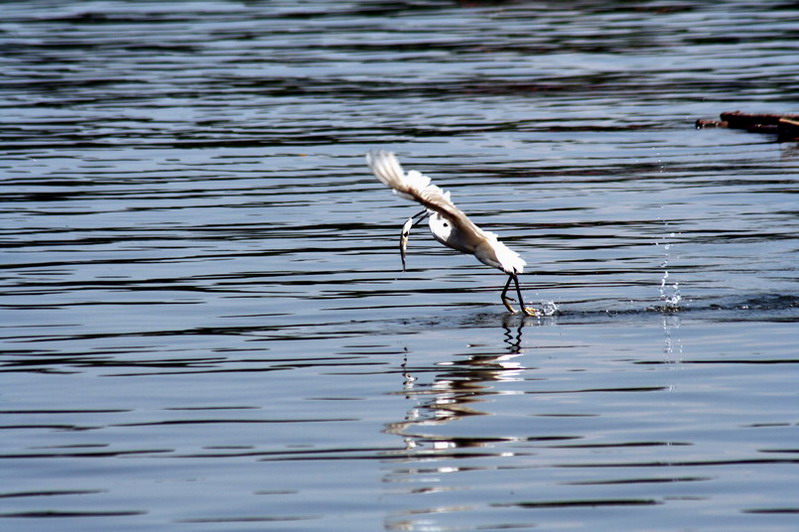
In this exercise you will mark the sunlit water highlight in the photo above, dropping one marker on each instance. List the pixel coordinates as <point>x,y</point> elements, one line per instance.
<point>204,323</point>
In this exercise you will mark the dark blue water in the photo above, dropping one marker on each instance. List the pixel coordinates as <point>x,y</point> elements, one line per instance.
<point>203,320</point>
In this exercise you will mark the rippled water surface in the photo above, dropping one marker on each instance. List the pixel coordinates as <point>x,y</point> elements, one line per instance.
<point>203,318</point>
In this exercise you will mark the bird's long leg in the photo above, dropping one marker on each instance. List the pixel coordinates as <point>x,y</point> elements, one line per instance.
<point>406,231</point>
<point>528,311</point>
<point>505,297</point>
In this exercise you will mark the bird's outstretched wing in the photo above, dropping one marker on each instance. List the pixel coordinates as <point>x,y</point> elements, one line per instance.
<point>417,187</point>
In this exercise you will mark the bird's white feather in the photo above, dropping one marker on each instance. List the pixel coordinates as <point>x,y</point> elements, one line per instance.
<point>501,256</point>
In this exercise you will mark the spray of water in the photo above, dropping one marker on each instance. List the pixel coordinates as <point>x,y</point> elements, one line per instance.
<point>670,304</point>
<point>549,308</point>
<point>669,293</point>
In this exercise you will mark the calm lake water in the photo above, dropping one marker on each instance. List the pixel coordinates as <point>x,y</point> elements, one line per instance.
<point>203,319</point>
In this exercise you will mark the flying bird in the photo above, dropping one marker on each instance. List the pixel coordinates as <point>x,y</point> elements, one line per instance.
<point>449,225</point>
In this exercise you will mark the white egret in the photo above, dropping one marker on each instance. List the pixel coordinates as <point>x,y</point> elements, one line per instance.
<point>449,225</point>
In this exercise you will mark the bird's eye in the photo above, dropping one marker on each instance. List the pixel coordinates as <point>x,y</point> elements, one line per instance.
<point>446,224</point>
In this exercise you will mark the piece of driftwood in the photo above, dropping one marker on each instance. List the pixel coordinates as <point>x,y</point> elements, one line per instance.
<point>786,126</point>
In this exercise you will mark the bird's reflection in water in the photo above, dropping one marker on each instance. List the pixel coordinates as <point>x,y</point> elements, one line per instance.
<point>457,390</point>
<point>513,334</point>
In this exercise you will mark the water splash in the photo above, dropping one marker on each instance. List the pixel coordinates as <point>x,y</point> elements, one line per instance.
<point>549,308</point>
<point>670,304</point>
<point>669,293</point>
